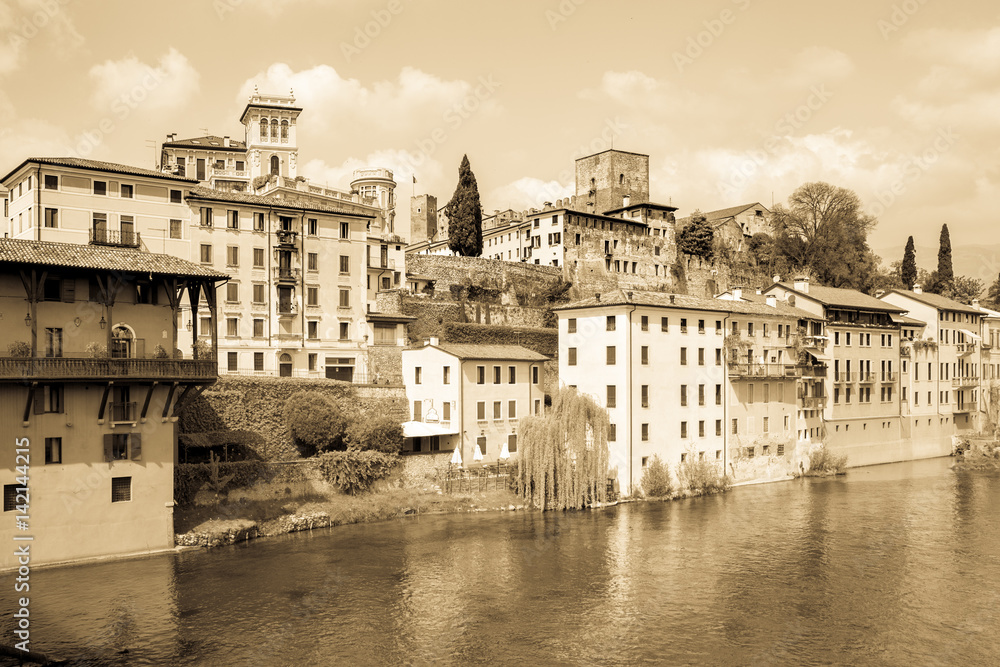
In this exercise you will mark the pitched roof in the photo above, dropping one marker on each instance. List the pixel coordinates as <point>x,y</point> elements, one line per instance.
<point>210,142</point>
<point>910,321</point>
<point>97,165</point>
<point>685,301</point>
<point>726,213</point>
<point>76,256</point>
<point>936,301</point>
<point>842,298</point>
<point>491,352</point>
<point>200,192</point>
<point>646,204</point>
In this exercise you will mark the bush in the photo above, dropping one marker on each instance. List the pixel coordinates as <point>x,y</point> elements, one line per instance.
<point>314,423</point>
<point>190,478</point>
<point>159,352</point>
<point>656,481</point>
<point>19,348</point>
<point>823,461</point>
<point>377,434</point>
<point>354,471</point>
<point>97,350</point>
<point>701,475</point>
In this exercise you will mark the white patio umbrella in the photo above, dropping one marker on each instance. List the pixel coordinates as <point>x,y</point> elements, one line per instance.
<point>456,458</point>
<point>477,455</point>
<point>504,452</point>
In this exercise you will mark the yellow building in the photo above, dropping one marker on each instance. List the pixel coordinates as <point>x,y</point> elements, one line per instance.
<point>92,378</point>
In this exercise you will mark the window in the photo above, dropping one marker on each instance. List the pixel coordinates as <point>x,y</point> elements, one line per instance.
<point>718,428</point>
<point>645,432</point>
<point>611,323</point>
<point>571,357</point>
<point>534,375</point>
<point>117,446</point>
<point>511,409</point>
<point>571,325</point>
<point>49,398</point>
<point>512,375</point>
<point>53,450</point>
<point>345,298</point>
<point>480,374</point>
<point>684,356</point>
<point>701,326</point>
<point>258,328</point>
<point>233,292</point>
<point>750,393</point>
<point>446,375</point>
<point>612,432</point>
<point>701,394</point>
<point>53,342</point>
<point>418,410</point>
<point>206,253</point>
<point>736,426</point>
<point>51,217</point>
<point>175,196</point>
<point>175,229</point>
<point>345,264</point>
<point>684,325</point>
<point>767,424</point>
<point>345,230</point>
<point>684,395</point>
<point>232,255</point>
<point>312,296</point>
<point>345,331</point>
<point>232,361</point>
<point>644,355</point>
<point>750,328</point>
<point>258,293</point>
<point>232,327</point>
<point>718,356</point>
<point>684,431</point>
<point>645,322</point>
<point>611,355</point>
<point>416,374</point>
<point>313,329</point>
<point>446,411</point>
<point>701,429</point>
<point>612,396</point>
<point>258,222</point>
<point>206,216</point>
<point>496,375</point>
<point>718,394</point>
<point>121,489</point>
<point>664,322</point>
<point>645,395</point>
<point>701,356</point>
<point>233,219</point>
<point>101,188</point>
<point>313,227</point>
<point>51,182</point>
<point>312,261</point>
<point>497,409</point>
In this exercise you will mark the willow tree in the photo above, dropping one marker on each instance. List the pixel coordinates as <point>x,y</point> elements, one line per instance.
<point>563,455</point>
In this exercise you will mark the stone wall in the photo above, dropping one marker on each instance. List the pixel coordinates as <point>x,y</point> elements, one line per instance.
<point>512,282</point>
<point>423,470</point>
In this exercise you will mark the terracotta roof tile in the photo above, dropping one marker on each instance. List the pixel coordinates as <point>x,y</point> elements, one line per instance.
<point>211,194</point>
<point>661,299</point>
<point>843,298</point>
<point>491,352</point>
<point>937,301</point>
<point>97,165</point>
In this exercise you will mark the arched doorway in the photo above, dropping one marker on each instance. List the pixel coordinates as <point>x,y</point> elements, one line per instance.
<point>275,164</point>
<point>285,365</point>
<point>123,342</point>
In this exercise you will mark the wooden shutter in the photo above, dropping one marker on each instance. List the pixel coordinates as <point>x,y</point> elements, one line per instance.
<point>39,399</point>
<point>135,440</point>
<point>67,290</point>
<point>108,446</point>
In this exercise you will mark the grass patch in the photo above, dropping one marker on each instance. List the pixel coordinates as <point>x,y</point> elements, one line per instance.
<point>978,459</point>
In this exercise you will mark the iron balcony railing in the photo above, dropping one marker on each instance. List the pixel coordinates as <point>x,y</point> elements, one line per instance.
<point>890,376</point>
<point>866,378</point>
<point>67,368</point>
<point>965,348</point>
<point>286,274</point>
<point>286,237</point>
<point>813,402</point>
<point>845,376</point>
<point>777,370</point>
<point>965,382</point>
<point>113,237</point>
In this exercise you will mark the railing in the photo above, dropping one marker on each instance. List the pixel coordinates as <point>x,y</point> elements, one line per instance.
<point>965,348</point>
<point>380,263</point>
<point>230,173</point>
<point>286,274</point>
<point>762,370</point>
<point>962,407</point>
<point>320,374</point>
<point>890,376</point>
<point>813,341</point>
<point>123,412</point>
<point>286,237</point>
<point>845,376</point>
<point>113,237</point>
<point>866,378</point>
<point>813,402</point>
<point>965,382</point>
<point>66,368</point>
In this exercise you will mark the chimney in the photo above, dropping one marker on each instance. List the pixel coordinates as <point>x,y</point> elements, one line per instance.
<point>917,289</point>
<point>776,278</point>
<point>590,207</point>
<point>772,301</point>
<point>671,299</point>
<point>879,293</point>
<point>597,295</point>
<point>629,296</point>
<point>225,141</point>
<point>626,200</point>
<point>975,304</point>
<point>802,284</point>
<point>759,291</point>
<point>737,294</point>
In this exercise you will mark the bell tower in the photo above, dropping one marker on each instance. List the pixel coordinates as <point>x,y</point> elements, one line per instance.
<point>270,122</point>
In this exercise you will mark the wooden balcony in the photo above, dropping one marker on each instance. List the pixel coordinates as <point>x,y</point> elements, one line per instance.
<point>67,369</point>
<point>778,371</point>
<point>112,237</point>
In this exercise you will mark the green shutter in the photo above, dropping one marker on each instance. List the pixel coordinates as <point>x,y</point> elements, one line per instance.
<point>135,439</point>
<point>108,446</point>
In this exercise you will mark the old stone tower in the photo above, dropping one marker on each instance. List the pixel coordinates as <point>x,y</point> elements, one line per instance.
<point>603,180</point>
<point>423,218</point>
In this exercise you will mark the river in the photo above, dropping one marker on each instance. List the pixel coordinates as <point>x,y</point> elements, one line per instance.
<point>895,564</point>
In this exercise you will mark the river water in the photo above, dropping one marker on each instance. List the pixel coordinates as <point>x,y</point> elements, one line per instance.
<point>896,565</point>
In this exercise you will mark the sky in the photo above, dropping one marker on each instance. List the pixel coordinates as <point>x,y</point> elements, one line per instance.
<point>735,101</point>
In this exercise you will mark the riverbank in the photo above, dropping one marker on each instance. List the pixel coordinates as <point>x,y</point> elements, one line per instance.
<point>228,523</point>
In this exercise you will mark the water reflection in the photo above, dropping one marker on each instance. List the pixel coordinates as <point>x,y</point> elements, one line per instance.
<point>895,564</point>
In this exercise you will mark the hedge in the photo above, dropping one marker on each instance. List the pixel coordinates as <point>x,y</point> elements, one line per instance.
<point>543,341</point>
<point>354,470</point>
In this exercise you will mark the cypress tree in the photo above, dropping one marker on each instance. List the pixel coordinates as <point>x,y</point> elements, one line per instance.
<point>465,215</point>
<point>908,272</point>
<point>945,271</point>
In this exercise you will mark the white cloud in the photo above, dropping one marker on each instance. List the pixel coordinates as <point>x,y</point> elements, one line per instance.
<point>129,84</point>
<point>527,192</point>
<point>25,20</point>
<point>975,50</point>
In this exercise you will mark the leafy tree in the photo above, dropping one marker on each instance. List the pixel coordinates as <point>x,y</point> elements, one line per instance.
<point>380,433</point>
<point>563,455</point>
<point>696,238</point>
<point>656,482</point>
<point>465,214</point>
<point>908,272</point>
<point>314,423</point>
<point>824,232</point>
<point>888,279</point>
<point>945,270</point>
<point>992,299</point>
<point>964,289</point>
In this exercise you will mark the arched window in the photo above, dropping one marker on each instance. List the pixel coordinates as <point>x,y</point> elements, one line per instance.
<point>274,129</point>
<point>284,130</point>
<point>263,129</point>
<point>275,164</point>
<point>122,342</point>
<point>285,365</point>
<point>621,179</point>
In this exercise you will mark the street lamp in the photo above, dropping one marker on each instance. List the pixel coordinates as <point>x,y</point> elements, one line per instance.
<point>27,319</point>
<point>103,322</point>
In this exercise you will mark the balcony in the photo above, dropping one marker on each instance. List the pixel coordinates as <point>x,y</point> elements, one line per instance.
<point>286,274</point>
<point>762,370</point>
<point>229,173</point>
<point>889,377</point>
<point>813,342</point>
<point>965,382</point>
<point>866,378</point>
<point>965,349</point>
<point>71,369</point>
<point>812,402</point>
<point>111,237</point>
<point>381,263</point>
<point>287,237</point>
<point>811,371</point>
<point>963,407</point>
<point>842,377</point>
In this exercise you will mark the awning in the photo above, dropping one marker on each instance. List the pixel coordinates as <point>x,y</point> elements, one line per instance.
<point>975,337</point>
<point>425,430</point>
